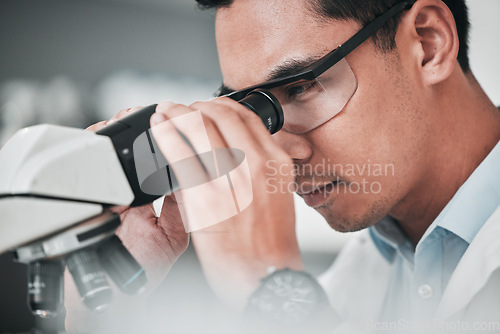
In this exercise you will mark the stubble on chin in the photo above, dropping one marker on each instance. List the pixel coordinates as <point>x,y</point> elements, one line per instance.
<point>364,218</point>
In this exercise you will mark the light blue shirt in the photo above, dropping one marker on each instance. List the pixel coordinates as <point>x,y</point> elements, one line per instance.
<point>420,275</point>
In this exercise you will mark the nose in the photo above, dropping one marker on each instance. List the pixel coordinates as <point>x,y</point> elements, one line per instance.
<point>297,146</point>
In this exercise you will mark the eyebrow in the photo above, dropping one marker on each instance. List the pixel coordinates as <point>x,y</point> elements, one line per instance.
<point>285,69</point>
<point>291,67</point>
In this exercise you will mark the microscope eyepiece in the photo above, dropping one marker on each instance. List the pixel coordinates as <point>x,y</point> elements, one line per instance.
<point>267,107</point>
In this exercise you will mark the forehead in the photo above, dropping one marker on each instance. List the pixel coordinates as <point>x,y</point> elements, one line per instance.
<point>255,36</point>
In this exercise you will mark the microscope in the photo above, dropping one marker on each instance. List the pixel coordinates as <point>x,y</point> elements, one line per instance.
<point>57,186</point>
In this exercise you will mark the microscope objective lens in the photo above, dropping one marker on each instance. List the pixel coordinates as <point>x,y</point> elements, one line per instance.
<point>45,287</point>
<point>90,279</point>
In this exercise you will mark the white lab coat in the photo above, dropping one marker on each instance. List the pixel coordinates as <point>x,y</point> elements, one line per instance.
<point>357,282</point>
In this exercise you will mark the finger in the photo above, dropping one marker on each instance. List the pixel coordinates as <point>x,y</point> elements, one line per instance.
<point>200,133</point>
<point>96,127</point>
<point>255,124</point>
<point>246,133</point>
<point>209,202</point>
<point>170,221</point>
<point>119,209</point>
<point>123,113</point>
<point>167,108</point>
<point>137,215</point>
<point>146,240</point>
<point>237,134</point>
<point>188,121</point>
<point>177,151</point>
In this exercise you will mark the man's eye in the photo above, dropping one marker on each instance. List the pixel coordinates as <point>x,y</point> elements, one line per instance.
<point>299,91</point>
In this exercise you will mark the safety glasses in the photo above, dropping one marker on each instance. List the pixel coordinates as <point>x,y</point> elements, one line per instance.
<point>321,90</point>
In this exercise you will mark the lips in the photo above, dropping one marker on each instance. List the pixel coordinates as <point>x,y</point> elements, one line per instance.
<point>316,195</point>
<point>305,189</point>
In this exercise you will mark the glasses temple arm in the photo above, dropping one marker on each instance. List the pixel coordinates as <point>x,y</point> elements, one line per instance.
<point>362,35</point>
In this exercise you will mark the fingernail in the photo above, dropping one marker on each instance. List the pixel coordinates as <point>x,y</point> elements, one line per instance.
<point>157,118</point>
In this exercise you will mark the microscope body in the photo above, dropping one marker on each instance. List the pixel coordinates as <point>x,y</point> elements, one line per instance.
<point>57,186</point>
<point>52,178</point>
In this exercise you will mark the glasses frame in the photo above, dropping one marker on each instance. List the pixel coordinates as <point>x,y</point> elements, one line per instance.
<point>320,66</point>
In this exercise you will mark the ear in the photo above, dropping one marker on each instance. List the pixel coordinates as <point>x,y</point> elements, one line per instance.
<point>431,33</point>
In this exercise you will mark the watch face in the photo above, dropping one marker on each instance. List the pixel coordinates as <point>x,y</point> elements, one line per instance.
<point>288,297</point>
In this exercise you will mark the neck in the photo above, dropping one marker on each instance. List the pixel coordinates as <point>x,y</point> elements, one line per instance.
<point>465,126</point>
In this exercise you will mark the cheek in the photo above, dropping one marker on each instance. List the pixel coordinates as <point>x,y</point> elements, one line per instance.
<point>380,124</point>
<point>377,139</point>
<point>370,139</point>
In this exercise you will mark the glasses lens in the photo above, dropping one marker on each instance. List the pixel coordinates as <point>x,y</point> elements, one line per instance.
<point>309,104</point>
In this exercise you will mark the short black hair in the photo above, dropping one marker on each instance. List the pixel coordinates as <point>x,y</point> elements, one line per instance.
<point>364,11</point>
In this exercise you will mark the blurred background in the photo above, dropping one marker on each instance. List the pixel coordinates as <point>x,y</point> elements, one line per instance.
<point>76,62</point>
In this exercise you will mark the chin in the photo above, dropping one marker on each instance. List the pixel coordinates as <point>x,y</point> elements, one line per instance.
<point>352,218</point>
<point>345,226</point>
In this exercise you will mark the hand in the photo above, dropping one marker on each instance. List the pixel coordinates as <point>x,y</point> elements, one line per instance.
<point>235,253</point>
<point>156,243</point>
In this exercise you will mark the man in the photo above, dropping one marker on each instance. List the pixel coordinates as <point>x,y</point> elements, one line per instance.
<point>400,98</point>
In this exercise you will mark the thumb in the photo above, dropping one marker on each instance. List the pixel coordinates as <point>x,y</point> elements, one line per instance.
<point>170,221</point>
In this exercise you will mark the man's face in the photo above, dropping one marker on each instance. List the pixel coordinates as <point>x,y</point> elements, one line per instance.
<point>372,146</point>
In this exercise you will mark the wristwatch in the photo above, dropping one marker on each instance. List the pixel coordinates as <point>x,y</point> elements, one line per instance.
<point>287,297</point>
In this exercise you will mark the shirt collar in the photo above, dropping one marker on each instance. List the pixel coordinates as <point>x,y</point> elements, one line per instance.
<point>471,206</point>
<point>474,202</point>
<point>386,237</point>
